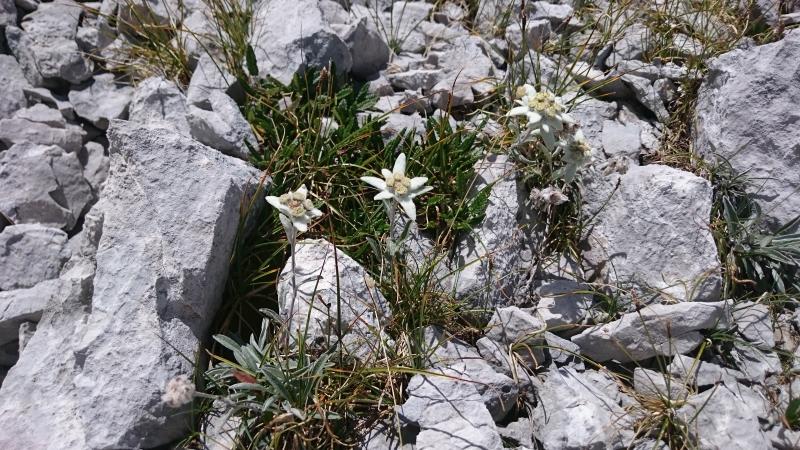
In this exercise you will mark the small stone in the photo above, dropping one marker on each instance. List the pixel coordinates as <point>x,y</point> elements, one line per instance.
<point>754,323</point>
<point>557,14</point>
<point>416,79</point>
<point>368,51</point>
<point>39,125</point>
<point>621,140</point>
<point>537,33</point>
<point>656,385</point>
<point>703,373</point>
<point>563,304</point>
<point>647,95</point>
<point>12,83</point>
<point>209,76</point>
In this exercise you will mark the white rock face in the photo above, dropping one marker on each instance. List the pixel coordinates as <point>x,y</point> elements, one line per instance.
<point>30,254</point>
<point>320,291</point>
<point>93,374</point>
<point>42,184</point>
<point>210,76</point>
<point>449,412</point>
<point>25,305</point>
<point>292,35</point>
<point>665,330</point>
<point>654,235</point>
<point>102,100</point>
<point>746,113</point>
<point>466,68</point>
<point>574,414</point>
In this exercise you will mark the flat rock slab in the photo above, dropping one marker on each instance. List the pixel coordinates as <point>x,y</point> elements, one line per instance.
<point>664,330</point>
<point>653,235</point>
<point>747,114</point>
<point>93,374</point>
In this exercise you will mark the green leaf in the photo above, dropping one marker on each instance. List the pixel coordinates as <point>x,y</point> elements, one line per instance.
<point>792,413</point>
<point>252,66</point>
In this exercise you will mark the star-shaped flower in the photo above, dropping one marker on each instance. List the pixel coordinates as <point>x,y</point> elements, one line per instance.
<point>396,185</point>
<point>296,209</point>
<point>544,111</point>
<point>577,153</point>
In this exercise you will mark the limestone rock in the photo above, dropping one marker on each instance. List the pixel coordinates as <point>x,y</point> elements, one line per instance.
<point>746,115</point>
<point>292,35</point>
<point>223,127</point>
<point>102,100</point>
<point>41,125</point>
<point>209,76</point>
<point>523,333</point>
<point>575,414</point>
<point>492,261</point>
<point>653,235</point>
<point>654,330</point>
<point>367,49</point>
<point>30,254</point>
<point>93,374</point>
<point>157,101</point>
<point>444,407</point>
<point>57,197</point>
<point>12,82</point>
<point>321,287</point>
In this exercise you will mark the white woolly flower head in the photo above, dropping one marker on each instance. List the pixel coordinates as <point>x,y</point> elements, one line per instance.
<point>550,195</point>
<point>396,185</point>
<point>576,153</point>
<point>545,113</point>
<point>296,209</point>
<point>179,391</point>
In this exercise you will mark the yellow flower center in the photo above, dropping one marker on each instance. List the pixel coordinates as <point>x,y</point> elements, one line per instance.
<point>398,183</point>
<point>544,103</point>
<point>297,203</point>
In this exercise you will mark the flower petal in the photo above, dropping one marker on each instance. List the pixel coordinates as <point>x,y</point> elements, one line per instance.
<point>274,201</point>
<point>400,164</point>
<point>377,183</point>
<point>530,91</point>
<point>384,195</point>
<point>302,191</point>
<point>548,138</point>
<point>315,213</point>
<point>413,194</point>
<point>518,111</point>
<point>534,117</point>
<point>417,182</point>
<point>386,173</point>
<point>409,207</point>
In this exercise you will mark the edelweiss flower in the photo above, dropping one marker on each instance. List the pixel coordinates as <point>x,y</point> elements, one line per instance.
<point>295,208</point>
<point>577,153</point>
<point>396,185</point>
<point>548,196</point>
<point>544,111</point>
<point>178,392</point>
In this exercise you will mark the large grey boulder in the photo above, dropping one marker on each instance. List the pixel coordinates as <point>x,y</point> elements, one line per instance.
<point>46,47</point>
<point>41,125</point>
<point>158,102</point>
<point>664,330</point>
<point>12,82</point>
<point>101,100</point>
<point>327,294</point>
<point>293,35</point>
<point>42,184</point>
<point>653,234</point>
<point>30,254</point>
<point>93,374</point>
<point>492,262</point>
<point>746,114</point>
<point>449,413</point>
<point>223,127</point>
<point>573,413</point>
